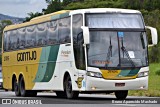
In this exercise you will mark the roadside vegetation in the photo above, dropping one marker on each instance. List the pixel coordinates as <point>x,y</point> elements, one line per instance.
<point>154,83</point>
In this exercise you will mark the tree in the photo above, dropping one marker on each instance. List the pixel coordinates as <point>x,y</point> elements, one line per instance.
<point>53,6</point>
<point>66,2</point>
<point>4,23</point>
<point>32,15</point>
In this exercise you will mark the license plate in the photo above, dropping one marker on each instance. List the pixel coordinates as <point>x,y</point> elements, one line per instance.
<point>119,84</point>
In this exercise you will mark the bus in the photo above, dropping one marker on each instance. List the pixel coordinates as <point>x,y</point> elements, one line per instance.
<point>97,50</point>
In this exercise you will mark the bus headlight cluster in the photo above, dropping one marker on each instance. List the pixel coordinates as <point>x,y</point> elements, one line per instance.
<point>94,74</point>
<point>143,74</point>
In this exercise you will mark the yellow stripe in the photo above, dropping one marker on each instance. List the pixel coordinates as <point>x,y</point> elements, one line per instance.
<point>109,74</point>
<point>112,75</point>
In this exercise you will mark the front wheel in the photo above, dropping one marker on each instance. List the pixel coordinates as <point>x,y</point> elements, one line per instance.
<point>68,89</point>
<point>121,95</point>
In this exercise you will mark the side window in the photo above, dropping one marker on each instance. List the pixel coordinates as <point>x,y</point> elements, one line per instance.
<point>52,34</point>
<point>8,44</point>
<point>30,36</point>
<point>78,41</point>
<point>77,23</point>
<point>41,34</point>
<point>64,30</point>
<point>21,38</point>
<point>5,42</point>
<point>13,39</point>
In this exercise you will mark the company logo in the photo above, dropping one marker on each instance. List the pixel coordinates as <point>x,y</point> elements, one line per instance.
<point>65,53</point>
<point>27,56</point>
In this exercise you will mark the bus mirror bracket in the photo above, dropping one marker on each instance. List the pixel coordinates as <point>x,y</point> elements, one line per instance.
<point>154,35</point>
<point>86,35</point>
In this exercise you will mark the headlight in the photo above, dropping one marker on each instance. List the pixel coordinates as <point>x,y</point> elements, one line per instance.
<point>143,74</point>
<point>94,74</point>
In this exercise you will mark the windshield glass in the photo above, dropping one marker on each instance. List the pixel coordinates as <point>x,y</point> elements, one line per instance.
<point>114,20</point>
<point>117,49</point>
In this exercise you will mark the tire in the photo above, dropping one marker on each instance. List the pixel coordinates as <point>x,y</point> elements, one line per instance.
<point>16,88</point>
<point>121,95</point>
<point>26,93</point>
<point>61,94</point>
<point>22,87</point>
<point>70,94</point>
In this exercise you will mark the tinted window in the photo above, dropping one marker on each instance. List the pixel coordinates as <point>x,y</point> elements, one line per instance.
<point>30,36</point>
<point>41,34</point>
<point>52,34</point>
<point>78,42</point>
<point>8,42</point>
<point>77,23</point>
<point>64,30</point>
<point>114,21</point>
<point>5,47</point>
<point>21,38</point>
<point>13,39</point>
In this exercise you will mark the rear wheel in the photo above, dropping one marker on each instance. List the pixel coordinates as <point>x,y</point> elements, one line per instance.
<point>24,92</point>
<point>121,95</point>
<point>68,89</point>
<point>16,87</point>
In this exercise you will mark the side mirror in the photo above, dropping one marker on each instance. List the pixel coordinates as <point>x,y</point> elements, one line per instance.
<point>86,35</point>
<point>153,34</point>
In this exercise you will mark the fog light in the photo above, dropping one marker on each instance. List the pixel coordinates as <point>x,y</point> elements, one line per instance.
<point>142,87</point>
<point>93,88</point>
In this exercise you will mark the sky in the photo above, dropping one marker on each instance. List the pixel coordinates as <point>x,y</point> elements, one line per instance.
<point>20,8</point>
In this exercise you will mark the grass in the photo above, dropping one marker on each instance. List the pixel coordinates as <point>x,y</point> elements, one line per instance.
<point>154,83</point>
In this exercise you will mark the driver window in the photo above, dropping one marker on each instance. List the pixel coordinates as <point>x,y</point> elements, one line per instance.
<point>78,41</point>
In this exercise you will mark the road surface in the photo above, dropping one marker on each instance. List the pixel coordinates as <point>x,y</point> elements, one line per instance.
<point>85,100</point>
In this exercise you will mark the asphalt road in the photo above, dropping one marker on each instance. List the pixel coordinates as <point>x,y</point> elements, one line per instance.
<point>85,100</point>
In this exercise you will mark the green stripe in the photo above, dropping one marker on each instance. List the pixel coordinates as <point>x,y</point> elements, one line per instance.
<point>52,58</point>
<point>59,16</point>
<point>123,73</point>
<point>46,67</point>
<point>133,72</point>
<point>127,73</point>
<point>42,67</point>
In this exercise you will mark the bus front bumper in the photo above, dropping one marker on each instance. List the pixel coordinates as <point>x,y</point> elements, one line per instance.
<point>100,84</point>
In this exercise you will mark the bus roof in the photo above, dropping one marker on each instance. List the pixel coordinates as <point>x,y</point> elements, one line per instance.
<point>64,13</point>
<point>104,10</point>
<point>37,20</point>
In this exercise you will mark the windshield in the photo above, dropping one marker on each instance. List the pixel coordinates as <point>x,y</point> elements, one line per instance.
<point>116,40</point>
<point>114,20</point>
<point>117,49</point>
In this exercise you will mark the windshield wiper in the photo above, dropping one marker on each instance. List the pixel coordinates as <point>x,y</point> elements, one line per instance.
<point>109,54</point>
<point>125,51</point>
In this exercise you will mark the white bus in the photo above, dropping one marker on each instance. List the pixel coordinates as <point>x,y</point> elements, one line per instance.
<point>101,50</point>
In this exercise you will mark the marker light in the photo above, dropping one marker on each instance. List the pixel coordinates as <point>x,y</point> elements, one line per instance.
<point>143,74</point>
<point>94,74</point>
